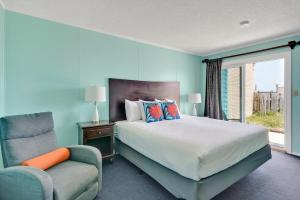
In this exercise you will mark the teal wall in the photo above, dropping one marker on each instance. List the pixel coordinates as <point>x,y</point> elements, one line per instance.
<point>2,65</point>
<point>48,65</point>
<point>295,80</point>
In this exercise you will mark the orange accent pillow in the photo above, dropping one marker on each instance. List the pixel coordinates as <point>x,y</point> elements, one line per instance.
<point>48,160</point>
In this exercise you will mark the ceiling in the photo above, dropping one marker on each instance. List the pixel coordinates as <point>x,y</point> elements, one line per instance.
<point>196,26</point>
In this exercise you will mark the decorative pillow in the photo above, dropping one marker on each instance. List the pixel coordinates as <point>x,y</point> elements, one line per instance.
<point>169,100</point>
<point>170,110</point>
<point>132,110</point>
<point>141,105</point>
<point>153,112</point>
<point>48,160</point>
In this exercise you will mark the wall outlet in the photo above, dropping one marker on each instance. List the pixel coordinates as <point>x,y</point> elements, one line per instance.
<point>295,93</point>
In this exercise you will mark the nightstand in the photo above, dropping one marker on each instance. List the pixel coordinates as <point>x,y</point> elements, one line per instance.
<point>99,135</point>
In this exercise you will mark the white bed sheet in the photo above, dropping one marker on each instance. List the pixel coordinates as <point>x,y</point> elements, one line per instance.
<point>194,147</point>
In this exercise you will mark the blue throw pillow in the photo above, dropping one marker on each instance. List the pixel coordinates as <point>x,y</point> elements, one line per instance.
<point>170,110</point>
<point>153,112</point>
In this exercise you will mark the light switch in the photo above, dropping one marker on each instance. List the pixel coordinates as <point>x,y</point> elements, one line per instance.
<point>295,93</point>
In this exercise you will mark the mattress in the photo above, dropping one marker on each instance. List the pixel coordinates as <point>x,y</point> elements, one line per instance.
<point>194,147</point>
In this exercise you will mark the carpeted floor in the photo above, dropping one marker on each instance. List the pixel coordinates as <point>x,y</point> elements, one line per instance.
<point>278,179</point>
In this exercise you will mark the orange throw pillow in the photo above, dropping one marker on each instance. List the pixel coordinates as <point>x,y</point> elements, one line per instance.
<point>48,160</point>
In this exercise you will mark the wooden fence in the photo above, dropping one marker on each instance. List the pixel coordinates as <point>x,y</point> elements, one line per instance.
<point>264,102</point>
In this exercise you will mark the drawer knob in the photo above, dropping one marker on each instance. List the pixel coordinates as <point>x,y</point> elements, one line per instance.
<point>99,132</point>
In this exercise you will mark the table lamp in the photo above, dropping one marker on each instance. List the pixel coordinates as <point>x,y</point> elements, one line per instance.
<point>195,98</point>
<point>95,94</point>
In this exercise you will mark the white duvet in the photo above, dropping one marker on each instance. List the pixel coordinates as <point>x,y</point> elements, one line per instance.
<point>194,147</point>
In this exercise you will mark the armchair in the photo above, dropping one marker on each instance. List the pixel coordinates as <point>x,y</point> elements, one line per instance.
<point>26,136</point>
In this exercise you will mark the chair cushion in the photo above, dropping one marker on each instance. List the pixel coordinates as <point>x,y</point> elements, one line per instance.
<point>33,132</point>
<point>28,125</point>
<point>13,149</point>
<point>72,178</point>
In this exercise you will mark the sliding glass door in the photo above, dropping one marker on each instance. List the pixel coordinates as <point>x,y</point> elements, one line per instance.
<point>232,93</point>
<point>258,92</point>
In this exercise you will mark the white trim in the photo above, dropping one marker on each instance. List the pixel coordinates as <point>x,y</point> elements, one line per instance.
<point>135,39</point>
<point>256,58</point>
<point>295,154</point>
<point>2,4</point>
<point>288,101</point>
<point>287,87</point>
<point>250,44</point>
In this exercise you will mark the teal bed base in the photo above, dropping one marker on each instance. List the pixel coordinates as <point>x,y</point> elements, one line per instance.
<point>184,188</point>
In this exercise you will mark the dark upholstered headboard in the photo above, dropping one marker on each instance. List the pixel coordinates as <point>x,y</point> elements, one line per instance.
<point>120,89</point>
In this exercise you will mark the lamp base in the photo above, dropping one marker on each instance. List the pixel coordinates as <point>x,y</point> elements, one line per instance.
<point>96,114</point>
<point>194,111</point>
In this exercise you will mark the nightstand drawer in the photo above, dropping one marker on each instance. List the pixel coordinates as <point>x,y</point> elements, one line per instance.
<point>95,133</point>
<point>99,135</point>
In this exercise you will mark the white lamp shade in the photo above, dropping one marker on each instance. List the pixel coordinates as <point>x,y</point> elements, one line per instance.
<point>195,98</point>
<point>95,93</point>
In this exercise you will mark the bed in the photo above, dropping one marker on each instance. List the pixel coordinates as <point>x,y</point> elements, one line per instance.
<point>194,158</point>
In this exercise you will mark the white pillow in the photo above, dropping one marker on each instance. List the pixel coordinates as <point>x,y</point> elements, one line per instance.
<point>132,110</point>
<point>141,106</point>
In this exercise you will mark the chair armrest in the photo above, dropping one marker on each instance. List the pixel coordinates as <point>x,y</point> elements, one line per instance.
<point>86,154</point>
<point>26,183</point>
<point>90,155</point>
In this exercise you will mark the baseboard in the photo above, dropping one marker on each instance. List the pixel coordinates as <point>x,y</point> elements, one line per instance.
<point>283,150</point>
<point>295,154</point>
<point>279,149</point>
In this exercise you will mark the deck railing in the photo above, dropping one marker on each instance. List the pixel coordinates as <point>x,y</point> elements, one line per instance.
<point>264,102</point>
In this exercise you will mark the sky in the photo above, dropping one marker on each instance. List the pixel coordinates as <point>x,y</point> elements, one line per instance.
<point>268,73</point>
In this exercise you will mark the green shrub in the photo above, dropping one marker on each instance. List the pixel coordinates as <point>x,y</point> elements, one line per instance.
<point>269,120</point>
